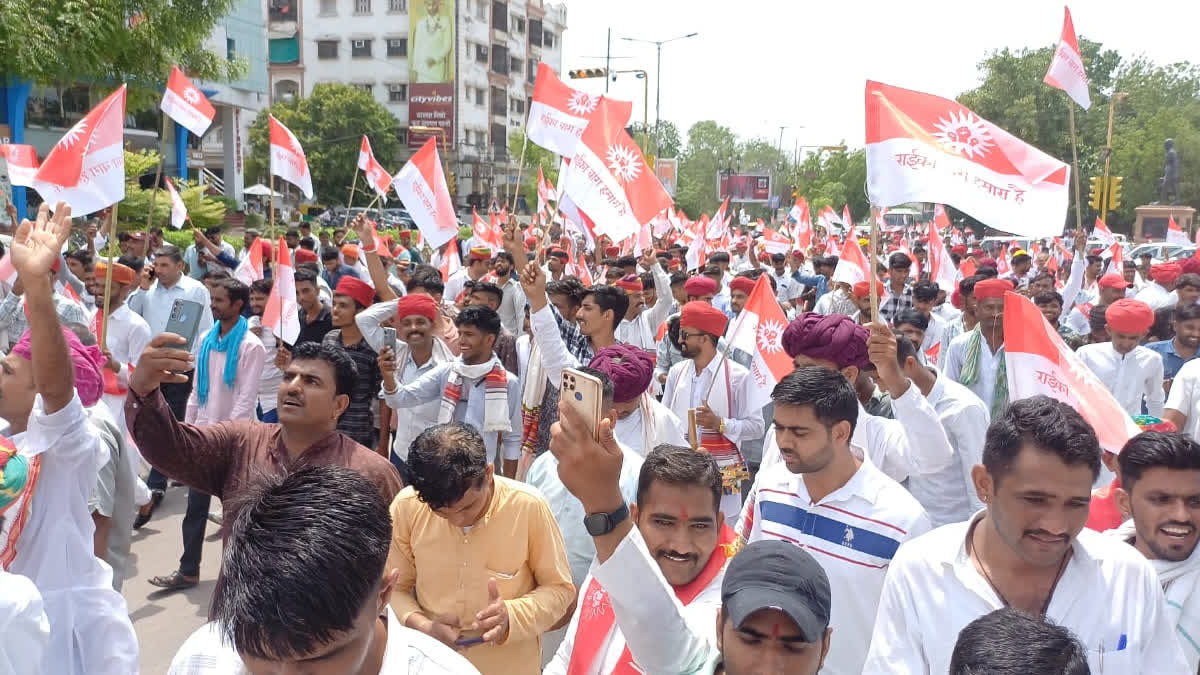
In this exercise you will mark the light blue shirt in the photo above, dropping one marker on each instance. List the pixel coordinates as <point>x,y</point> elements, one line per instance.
<point>196,269</point>
<point>432,385</point>
<point>155,304</point>
<point>568,511</point>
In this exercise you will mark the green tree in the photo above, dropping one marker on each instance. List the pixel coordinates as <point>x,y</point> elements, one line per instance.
<point>710,148</point>
<point>68,41</point>
<point>203,211</point>
<point>1163,102</point>
<point>833,179</point>
<point>329,125</point>
<point>535,156</point>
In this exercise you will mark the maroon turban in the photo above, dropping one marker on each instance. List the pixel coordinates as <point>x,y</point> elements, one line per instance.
<point>1190,265</point>
<point>629,368</point>
<point>700,285</point>
<point>827,337</point>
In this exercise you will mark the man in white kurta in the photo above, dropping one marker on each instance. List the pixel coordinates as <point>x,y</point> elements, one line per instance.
<point>641,329</point>
<point>1131,372</point>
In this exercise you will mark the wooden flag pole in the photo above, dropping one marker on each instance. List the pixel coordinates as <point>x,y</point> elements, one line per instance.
<point>693,434</point>
<point>350,202</point>
<point>520,166</point>
<point>112,259</point>
<point>1075,163</point>
<point>872,279</point>
<point>154,191</point>
<point>271,208</point>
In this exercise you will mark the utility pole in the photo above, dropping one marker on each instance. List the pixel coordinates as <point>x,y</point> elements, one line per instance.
<point>607,59</point>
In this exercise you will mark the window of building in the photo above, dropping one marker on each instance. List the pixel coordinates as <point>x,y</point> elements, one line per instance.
<point>397,93</point>
<point>500,59</point>
<point>363,87</point>
<point>480,95</point>
<point>230,49</point>
<point>327,49</point>
<point>516,65</point>
<point>499,101</point>
<point>481,7</point>
<point>547,39</point>
<point>360,49</point>
<point>397,6</point>
<point>362,6</point>
<point>499,142</point>
<point>517,24</point>
<point>397,47</point>
<point>533,68</point>
<point>481,54</point>
<point>535,32</point>
<point>328,8</point>
<point>500,16</point>
<point>516,105</point>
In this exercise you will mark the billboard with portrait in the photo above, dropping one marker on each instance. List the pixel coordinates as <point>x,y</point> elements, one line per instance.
<point>743,187</point>
<point>431,69</point>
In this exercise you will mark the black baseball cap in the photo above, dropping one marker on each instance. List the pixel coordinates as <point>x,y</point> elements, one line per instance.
<point>773,574</point>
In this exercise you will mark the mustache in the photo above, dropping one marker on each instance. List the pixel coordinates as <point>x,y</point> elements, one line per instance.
<point>1046,535</point>
<point>676,554</point>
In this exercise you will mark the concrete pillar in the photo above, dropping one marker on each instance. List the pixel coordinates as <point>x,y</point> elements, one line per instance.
<point>181,158</point>
<point>15,95</point>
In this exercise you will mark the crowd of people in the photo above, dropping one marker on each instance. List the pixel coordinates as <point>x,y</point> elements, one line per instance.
<point>401,492</point>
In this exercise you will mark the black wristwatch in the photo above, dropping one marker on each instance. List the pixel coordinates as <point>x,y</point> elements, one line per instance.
<point>600,524</point>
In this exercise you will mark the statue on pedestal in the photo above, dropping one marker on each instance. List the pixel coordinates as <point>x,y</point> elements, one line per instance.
<point>1168,185</point>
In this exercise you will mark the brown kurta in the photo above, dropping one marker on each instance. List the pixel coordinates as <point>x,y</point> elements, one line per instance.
<point>225,459</point>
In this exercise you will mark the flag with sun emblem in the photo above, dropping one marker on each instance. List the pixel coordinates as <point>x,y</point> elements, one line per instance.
<point>379,179</point>
<point>184,103</point>
<point>924,148</point>
<point>86,168</point>
<point>558,114</point>
<point>758,330</point>
<point>608,178</point>
<point>287,157</point>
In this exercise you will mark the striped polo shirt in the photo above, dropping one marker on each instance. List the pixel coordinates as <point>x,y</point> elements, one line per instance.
<point>853,532</point>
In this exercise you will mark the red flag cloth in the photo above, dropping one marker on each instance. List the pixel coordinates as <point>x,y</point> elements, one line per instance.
<point>185,104</point>
<point>758,330</point>
<point>282,314</point>
<point>287,158</point>
<point>1066,70</point>
<point>558,114</point>
<point>852,264</point>
<point>422,186</point>
<point>22,163</point>
<point>86,168</point>
<point>924,148</point>
<point>377,177</point>
<point>1039,362</point>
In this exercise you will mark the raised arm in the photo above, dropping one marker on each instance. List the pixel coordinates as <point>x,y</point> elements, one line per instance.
<point>375,270</point>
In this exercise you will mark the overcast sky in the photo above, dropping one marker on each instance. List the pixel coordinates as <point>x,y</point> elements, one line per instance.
<point>757,65</point>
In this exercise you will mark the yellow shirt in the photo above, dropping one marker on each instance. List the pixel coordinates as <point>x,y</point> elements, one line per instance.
<point>517,542</point>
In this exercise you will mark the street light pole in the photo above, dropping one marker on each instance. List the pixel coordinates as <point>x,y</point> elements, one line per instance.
<point>658,81</point>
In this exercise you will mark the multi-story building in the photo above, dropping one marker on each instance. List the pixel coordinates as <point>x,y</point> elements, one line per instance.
<point>480,91</point>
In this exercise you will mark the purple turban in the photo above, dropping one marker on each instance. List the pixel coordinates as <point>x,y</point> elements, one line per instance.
<point>834,337</point>
<point>629,368</point>
<point>88,361</point>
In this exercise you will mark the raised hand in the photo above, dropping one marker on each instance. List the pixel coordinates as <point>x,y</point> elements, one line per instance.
<point>590,469</point>
<point>161,361</point>
<point>37,245</point>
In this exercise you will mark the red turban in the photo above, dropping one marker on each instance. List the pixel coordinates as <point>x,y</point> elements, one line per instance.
<point>764,257</point>
<point>629,368</point>
<point>986,262</point>
<point>356,289</point>
<point>703,317</point>
<point>530,242</point>
<point>612,252</point>
<point>1129,316</point>
<point>863,288</point>
<point>304,255</point>
<point>557,253</point>
<point>1166,273</point>
<point>266,248</point>
<point>827,337</point>
<point>700,285</point>
<point>992,288</point>
<point>959,249</point>
<point>1113,281</point>
<point>743,284</point>
<point>631,283</point>
<point>1190,265</point>
<point>417,304</point>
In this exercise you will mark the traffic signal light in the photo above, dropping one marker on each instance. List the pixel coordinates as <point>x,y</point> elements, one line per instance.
<point>1095,192</point>
<point>1114,193</point>
<point>584,73</point>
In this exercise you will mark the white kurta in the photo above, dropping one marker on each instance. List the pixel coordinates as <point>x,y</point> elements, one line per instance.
<point>949,495</point>
<point>1129,377</point>
<point>1185,397</point>
<point>1156,296</point>
<point>1108,597</point>
<point>126,336</point>
<point>90,630</point>
<point>952,364</point>
<point>24,629</point>
<point>666,429</point>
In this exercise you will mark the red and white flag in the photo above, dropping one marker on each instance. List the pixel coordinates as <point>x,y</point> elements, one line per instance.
<point>1175,234</point>
<point>1116,263</point>
<point>558,114</point>
<point>932,354</point>
<point>803,232</point>
<point>185,104</point>
<point>545,194</point>
<point>179,212</point>
<point>1066,66</point>
<point>1101,232</point>
<point>377,177</point>
<point>484,232</point>
<point>847,219</point>
<point>924,148</point>
<point>451,262</point>
<point>1039,362</point>
<point>719,225</point>
<point>86,168</point>
<point>250,269</point>
<point>282,314</point>
<point>830,220</point>
<point>941,220</point>
<point>758,330</point>
<point>852,264</point>
<point>941,268</point>
<point>422,187</point>
<point>608,177</point>
<point>774,242</point>
<point>22,163</point>
<point>287,158</point>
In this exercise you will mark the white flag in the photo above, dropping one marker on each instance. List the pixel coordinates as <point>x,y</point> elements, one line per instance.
<point>1066,67</point>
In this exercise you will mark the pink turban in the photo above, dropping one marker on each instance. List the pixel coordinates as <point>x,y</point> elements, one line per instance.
<point>834,337</point>
<point>629,368</point>
<point>88,361</point>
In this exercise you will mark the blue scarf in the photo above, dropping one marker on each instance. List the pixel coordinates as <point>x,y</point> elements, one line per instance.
<point>230,344</point>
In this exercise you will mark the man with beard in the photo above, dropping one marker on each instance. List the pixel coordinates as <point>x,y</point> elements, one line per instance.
<point>556,262</point>
<point>1160,488</point>
<point>661,573</point>
<point>489,295</point>
<point>828,498</point>
<point>1131,372</point>
<point>976,359</point>
<point>512,304</point>
<point>1027,550</point>
<point>718,391</point>
<point>1184,346</point>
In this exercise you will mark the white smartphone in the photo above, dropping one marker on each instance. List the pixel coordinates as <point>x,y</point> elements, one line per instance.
<point>584,393</point>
